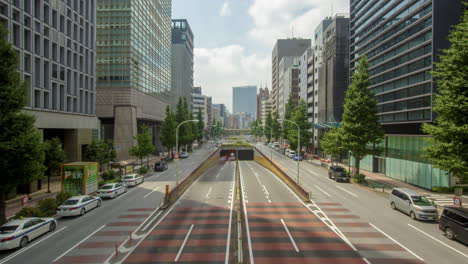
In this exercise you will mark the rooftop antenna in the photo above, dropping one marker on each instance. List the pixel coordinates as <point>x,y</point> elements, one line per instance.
<point>331,3</point>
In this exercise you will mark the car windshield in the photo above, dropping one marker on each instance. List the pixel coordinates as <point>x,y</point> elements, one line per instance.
<point>339,169</point>
<point>158,164</point>
<point>128,178</point>
<point>70,202</point>
<point>421,200</point>
<point>8,229</point>
<point>107,187</point>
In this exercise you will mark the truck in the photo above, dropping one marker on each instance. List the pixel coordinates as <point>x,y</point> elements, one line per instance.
<point>80,177</point>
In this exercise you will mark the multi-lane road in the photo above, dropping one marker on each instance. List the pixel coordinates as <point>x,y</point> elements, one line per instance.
<point>421,241</point>
<point>92,238</point>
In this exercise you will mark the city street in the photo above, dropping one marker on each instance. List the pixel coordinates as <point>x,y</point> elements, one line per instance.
<point>92,238</point>
<point>420,240</point>
<point>198,227</point>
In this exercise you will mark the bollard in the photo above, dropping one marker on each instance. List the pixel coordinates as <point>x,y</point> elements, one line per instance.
<point>116,251</point>
<point>130,237</point>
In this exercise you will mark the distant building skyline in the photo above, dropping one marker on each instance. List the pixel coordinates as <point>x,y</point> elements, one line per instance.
<point>244,100</point>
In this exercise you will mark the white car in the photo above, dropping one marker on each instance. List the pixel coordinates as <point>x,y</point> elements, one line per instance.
<point>184,155</point>
<point>79,205</point>
<point>18,232</point>
<point>111,190</point>
<point>291,154</point>
<point>132,179</point>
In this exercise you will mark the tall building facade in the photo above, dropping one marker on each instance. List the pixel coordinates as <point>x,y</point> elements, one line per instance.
<point>219,113</point>
<point>55,43</point>
<point>182,61</point>
<point>335,65</point>
<point>288,83</point>
<point>263,94</point>
<point>317,81</point>
<point>133,69</point>
<point>244,100</point>
<point>284,47</point>
<point>202,103</point>
<point>402,40</point>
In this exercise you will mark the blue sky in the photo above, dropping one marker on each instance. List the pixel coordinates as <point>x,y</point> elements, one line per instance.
<point>234,38</point>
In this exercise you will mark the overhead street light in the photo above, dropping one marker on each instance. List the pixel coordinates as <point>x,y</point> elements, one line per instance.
<point>298,144</point>
<point>177,145</point>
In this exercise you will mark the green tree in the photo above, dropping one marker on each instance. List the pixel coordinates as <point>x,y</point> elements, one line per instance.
<point>54,158</point>
<point>276,126</point>
<point>360,122</point>
<point>332,143</point>
<point>187,138</point>
<point>200,125</point>
<point>168,130</point>
<point>100,151</point>
<point>268,127</point>
<point>290,110</point>
<point>144,146</point>
<point>299,116</point>
<point>195,131</point>
<point>20,143</point>
<point>448,144</point>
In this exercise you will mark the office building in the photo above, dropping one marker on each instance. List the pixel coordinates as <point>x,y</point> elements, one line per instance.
<point>244,100</point>
<point>54,41</point>
<point>402,40</point>
<point>182,61</point>
<point>133,69</point>
<point>284,47</point>
<point>219,113</point>
<point>263,94</point>
<point>203,104</point>
<point>288,83</point>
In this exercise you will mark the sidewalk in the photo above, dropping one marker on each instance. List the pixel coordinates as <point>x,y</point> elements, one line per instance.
<point>440,199</point>
<point>14,205</point>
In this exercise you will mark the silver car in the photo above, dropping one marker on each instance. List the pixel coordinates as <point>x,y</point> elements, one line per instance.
<point>412,203</point>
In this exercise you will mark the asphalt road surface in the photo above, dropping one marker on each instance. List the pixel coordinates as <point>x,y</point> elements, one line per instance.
<point>92,238</point>
<point>421,241</point>
<point>198,228</point>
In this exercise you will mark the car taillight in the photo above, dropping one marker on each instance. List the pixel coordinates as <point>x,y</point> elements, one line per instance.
<point>73,208</point>
<point>131,181</point>
<point>7,239</point>
<point>110,192</point>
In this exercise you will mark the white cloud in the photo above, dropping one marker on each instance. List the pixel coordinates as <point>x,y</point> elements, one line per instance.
<point>275,19</point>
<point>217,70</point>
<point>225,9</point>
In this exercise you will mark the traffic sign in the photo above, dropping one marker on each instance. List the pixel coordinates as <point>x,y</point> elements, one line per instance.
<point>25,200</point>
<point>457,201</point>
<point>176,156</point>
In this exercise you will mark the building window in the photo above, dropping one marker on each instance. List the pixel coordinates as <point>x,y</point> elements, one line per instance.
<point>27,63</point>
<point>54,97</point>
<point>37,44</point>
<point>37,98</point>
<point>46,100</point>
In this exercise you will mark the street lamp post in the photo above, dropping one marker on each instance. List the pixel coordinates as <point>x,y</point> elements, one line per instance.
<point>298,144</point>
<point>271,136</point>
<point>177,146</point>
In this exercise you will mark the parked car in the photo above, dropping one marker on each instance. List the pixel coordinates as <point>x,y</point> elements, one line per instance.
<point>19,232</point>
<point>79,205</point>
<point>291,154</point>
<point>297,157</point>
<point>184,155</point>
<point>160,165</point>
<point>454,223</point>
<point>338,173</point>
<point>287,152</point>
<point>132,179</point>
<point>111,190</point>
<point>412,203</point>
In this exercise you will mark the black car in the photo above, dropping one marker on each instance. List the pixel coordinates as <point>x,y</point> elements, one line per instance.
<point>161,166</point>
<point>454,223</point>
<point>338,174</point>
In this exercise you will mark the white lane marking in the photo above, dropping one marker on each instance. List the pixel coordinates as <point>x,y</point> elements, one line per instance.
<point>30,246</point>
<point>322,190</point>
<point>392,239</point>
<point>209,191</point>
<point>183,244</point>
<point>159,175</point>
<point>84,239</point>
<point>246,219</point>
<point>465,196</point>
<point>290,236</point>
<point>347,191</point>
<point>149,222</point>
<point>452,248</point>
<point>269,200</point>
<point>226,260</point>
<point>151,192</point>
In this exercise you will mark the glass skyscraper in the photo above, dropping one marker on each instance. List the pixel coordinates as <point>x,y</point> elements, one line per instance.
<point>133,68</point>
<point>402,40</point>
